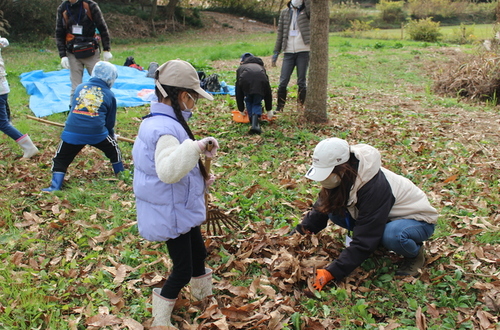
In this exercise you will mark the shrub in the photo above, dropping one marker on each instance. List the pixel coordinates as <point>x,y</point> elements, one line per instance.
<point>28,20</point>
<point>391,11</point>
<point>479,12</point>
<point>342,14</point>
<point>426,8</point>
<point>453,12</point>
<point>462,35</point>
<point>471,76</point>
<point>424,30</point>
<point>357,27</point>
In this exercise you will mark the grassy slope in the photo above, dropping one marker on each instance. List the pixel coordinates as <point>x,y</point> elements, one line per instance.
<point>476,32</point>
<point>73,255</point>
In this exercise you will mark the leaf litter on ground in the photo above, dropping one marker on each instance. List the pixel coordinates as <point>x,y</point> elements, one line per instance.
<point>81,249</point>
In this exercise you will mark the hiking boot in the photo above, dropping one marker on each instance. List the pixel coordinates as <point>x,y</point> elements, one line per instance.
<point>411,266</point>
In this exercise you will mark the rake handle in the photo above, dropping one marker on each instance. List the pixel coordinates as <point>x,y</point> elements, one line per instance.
<point>53,123</point>
<point>208,162</point>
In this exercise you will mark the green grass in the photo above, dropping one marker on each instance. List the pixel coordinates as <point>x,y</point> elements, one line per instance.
<point>480,32</point>
<point>60,252</point>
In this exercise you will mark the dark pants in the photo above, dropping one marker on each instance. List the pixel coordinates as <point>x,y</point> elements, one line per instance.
<point>188,254</point>
<point>254,104</point>
<point>67,152</point>
<point>290,62</point>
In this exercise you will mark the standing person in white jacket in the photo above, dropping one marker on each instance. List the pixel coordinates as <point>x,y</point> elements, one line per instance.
<point>23,140</point>
<point>375,205</point>
<point>293,39</point>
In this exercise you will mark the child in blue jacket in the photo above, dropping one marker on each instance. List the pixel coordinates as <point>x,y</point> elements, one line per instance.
<point>91,121</point>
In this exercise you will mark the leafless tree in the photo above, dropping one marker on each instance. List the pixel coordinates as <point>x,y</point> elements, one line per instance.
<point>316,100</point>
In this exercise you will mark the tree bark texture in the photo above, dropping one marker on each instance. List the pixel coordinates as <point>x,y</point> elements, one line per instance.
<point>171,9</point>
<point>317,85</point>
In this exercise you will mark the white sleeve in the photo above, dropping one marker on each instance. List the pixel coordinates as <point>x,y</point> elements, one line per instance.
<point>174,160</point>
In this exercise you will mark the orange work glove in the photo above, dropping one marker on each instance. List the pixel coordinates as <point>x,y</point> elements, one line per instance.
<point>322,277</point>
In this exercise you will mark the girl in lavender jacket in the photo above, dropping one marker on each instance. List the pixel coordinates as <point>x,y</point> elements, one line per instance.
<point>170,182</point>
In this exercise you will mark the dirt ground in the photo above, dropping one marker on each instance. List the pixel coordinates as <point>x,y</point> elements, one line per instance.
<point>123,26</point>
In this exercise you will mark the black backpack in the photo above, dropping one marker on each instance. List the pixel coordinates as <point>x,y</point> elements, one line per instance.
<point>201,76</point>
<point>129,61</point>
<point>211,83</point>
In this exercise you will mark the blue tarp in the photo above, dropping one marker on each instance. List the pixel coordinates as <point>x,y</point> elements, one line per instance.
<point>50,90</point>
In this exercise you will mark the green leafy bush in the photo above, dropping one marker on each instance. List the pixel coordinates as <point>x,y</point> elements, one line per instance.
<point>357,27</point>
<point>419,9</point>
<point>392,11</point>
<point>343,13</point>
<point>464,34</point>
<point>453,12</point>
<point>478,12</point>
<point>41,17</point>
<point>424,30</point>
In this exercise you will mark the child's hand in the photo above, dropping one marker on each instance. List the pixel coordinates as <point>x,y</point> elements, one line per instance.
<point>202,144</point>
<point>210,181</point>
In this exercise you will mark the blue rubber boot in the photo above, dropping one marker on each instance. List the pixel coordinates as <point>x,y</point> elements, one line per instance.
<point>57,181</point>
<point>118,167</point>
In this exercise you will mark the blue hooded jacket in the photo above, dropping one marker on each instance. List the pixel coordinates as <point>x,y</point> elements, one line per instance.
<point>93,108</point>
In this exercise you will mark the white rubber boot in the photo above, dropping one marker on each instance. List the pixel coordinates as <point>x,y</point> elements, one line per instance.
<point>162,310</point>
<point>29,148</point>
<point>201,286</point>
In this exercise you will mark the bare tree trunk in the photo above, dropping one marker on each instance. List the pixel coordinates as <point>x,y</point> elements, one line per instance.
<point>170,9</point>
<point>154,8</point>
<point>498,12</point>
<point>317,85</point>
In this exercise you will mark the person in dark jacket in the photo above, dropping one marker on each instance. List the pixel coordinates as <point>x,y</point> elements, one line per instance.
<point>293,39</point>
<point>91,121</point>
<point>76,24</point>
<point>252,86</point>
<point>376,205</point>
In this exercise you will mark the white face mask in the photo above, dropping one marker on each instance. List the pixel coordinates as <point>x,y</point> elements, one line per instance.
<point>297,3</point>
<point>332,181</point>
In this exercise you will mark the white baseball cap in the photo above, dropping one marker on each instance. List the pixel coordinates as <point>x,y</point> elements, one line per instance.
<point>179,73</point>
<point>328,154</point>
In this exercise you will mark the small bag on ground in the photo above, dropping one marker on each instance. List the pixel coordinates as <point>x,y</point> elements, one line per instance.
<point>152,69</point>
<point>212,83</point>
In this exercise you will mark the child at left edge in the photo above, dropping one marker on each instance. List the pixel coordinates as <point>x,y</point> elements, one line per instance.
<point>252,86</point>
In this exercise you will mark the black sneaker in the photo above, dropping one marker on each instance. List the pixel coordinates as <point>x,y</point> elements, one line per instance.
<point>411,266</point>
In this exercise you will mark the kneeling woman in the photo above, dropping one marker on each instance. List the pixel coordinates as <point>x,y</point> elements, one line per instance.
<point>377,205</point>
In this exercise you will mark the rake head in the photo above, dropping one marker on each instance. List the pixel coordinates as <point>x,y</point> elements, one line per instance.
<point>217,220</point>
